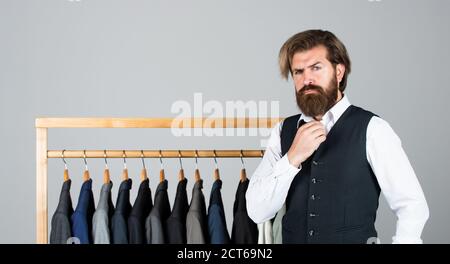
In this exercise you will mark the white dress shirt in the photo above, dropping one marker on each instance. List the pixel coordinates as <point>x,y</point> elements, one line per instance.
<point>270,183</point>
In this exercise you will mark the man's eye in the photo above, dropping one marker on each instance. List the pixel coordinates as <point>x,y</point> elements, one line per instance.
<point>297,72</point>
<point>316,68</point>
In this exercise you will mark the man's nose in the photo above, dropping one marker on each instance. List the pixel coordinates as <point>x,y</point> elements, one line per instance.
<point>308,82</point>
<point>308,79</point>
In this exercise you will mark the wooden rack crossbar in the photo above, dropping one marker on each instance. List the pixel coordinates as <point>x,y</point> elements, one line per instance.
<point>156,122</point>
<point>43,153</point>
<point>219,153</point>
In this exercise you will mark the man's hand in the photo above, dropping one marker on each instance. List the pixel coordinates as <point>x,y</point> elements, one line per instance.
<point>306,141</point>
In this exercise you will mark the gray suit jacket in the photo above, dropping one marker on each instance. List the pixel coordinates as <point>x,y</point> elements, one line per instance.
<point>61,225</point>
<point>196,229</point>
<point>155,224</point>
<point>100,221</point>
<point>277,226</point>
<point>119,221</point>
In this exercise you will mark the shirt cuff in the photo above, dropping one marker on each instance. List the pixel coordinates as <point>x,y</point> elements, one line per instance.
<point>284,167</point>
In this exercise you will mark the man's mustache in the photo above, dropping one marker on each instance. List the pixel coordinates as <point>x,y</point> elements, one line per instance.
<point>310,87</point>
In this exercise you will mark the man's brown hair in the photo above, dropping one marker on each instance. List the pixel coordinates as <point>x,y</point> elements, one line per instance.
<point>306,40</point>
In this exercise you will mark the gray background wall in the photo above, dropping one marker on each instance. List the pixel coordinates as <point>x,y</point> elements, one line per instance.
<point>114,58</point>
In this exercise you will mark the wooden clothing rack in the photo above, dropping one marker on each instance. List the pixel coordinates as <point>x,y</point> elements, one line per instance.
<point>43,153</point>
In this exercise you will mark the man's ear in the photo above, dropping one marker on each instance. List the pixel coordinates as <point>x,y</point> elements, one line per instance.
<point>340,71</point>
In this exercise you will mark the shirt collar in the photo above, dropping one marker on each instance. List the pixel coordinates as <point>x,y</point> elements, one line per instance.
<point>332,115</point>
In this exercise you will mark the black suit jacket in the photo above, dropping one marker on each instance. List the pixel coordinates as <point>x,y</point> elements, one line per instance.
<point>244,231</point>
<point>176,223</point>
<point>141,208</point>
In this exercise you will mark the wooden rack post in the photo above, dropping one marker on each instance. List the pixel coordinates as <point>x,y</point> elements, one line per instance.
<point>43,154</point>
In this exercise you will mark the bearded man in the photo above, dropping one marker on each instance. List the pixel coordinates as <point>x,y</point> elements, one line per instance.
<point>328,164</point>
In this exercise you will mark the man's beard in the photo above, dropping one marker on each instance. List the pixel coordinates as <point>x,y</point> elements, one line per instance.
<point>317,103</point>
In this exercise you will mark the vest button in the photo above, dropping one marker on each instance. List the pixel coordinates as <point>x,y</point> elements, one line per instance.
<point>313,180</point>
<point>313,215</point>
<point>311,232</point>
<point>315,197</point>
<point>315,163</point>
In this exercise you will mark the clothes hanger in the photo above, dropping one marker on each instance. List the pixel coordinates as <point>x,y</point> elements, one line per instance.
<point>86,175</point>
<point>106,177</point>
<point>197,172</point>
<point>243,176</point>
<point>162,176</point>
<point>66,171</point>
<point>216,171</point>
<point>144,170</point>
<point>125,170</point>
<point>181,173</point>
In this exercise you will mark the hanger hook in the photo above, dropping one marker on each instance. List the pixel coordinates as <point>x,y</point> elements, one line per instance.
<point>179,158</point>
<point>106,161</point>
<point>242,159</point>
<point>160,159</point>
<point>142,158</point>
<point>85,161</point>
<point>196,161</point>
<point>215,158</point>
<point>62,156</point>
<point>124,160</point>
